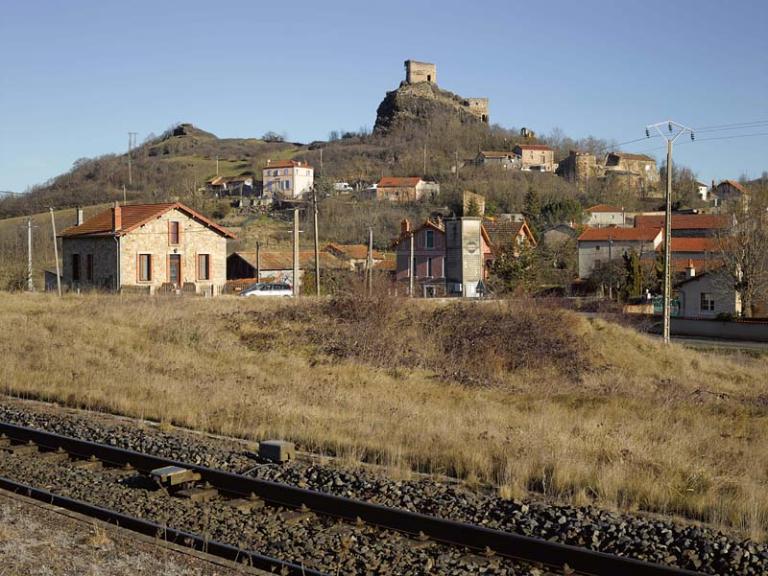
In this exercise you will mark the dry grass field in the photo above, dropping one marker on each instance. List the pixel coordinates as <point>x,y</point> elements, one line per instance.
<point>526,398</point>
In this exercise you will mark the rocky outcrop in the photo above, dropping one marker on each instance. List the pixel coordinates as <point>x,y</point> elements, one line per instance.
<point>422,103</point>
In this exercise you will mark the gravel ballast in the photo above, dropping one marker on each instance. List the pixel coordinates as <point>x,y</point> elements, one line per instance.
<point>693,547</point>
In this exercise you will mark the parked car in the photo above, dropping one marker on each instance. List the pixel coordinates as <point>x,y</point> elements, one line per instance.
<point>268,289</point>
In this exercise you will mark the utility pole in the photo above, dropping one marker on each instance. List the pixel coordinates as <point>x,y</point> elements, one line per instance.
<point>131,141</point>
<point>258,261</point>
<point>411,266</point>
<point>296,288</point>
<point>125,201</point>
<point>674,131</point>
<point>457,165</point>
<point>321,163</point>
<point>217,165</point>
<point>56,253</point>
<point>425,161</point>
<point>317,243</point>
<point>369,263</point>
<point>30,282</point>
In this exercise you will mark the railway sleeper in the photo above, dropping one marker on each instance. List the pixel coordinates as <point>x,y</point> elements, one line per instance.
<point>198,494</point>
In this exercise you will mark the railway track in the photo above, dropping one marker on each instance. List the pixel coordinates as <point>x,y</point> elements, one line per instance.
<point>500,552</point>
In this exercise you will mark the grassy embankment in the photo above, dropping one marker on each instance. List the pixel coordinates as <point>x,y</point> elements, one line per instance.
<point>525,398</point>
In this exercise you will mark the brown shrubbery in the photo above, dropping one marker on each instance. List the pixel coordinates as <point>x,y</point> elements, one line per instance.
<point>478,343</point>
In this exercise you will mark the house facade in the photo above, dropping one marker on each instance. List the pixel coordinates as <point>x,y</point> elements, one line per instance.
<point>602,215</point>
<point>398,189</point>
<point>354,255</point>
<point>146,247</point>
<point>706,296</point>
<point>275,265</point>
<point>428,256</point>
<point>598,245</point>
<point>287,178</point>
<point>535,157</point>
<point>504,160</point>
<point>579,167</point>
<point>687,225</point>
<point>729,191</point>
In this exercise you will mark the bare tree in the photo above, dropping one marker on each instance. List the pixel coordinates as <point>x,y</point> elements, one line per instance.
<point>744,250</point>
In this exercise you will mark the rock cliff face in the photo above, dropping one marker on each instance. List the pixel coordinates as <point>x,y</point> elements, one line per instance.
<point>421,103</point>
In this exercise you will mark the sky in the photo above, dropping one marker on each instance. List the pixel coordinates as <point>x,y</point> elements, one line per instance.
<point>77,76</point>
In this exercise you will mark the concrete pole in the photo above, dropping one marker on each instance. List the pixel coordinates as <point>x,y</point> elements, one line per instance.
<point>56,254</point>
<point>369,263</point>
<point>668,246</point>
<point>317,243</point>
<point>30,282</point>
<point>296,287</point>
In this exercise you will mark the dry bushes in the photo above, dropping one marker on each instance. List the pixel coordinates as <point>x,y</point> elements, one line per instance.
<point>477,343</point>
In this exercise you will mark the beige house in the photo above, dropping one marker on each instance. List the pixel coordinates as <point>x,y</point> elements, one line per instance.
<point>148,248</point>
<point>287,178</point>
<point>535,157</point>
<point>409,189</point>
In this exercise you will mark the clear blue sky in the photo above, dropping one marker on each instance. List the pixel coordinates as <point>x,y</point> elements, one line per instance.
<point>76,76</point>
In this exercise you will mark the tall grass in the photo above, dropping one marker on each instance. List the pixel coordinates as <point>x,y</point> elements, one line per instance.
<point>524,398</point>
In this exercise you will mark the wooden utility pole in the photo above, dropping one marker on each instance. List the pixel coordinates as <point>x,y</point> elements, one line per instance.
<point>131,140</point>
<point>56,254</point>
<point>30,282</point>
<point>411,267</point>
<point>317,243</point>
<point>258,261</point>
<point>296,287</point>
<point>369,263</point>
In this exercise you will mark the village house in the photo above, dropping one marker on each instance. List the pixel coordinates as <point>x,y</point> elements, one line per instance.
<point>535,157</point>
<point>355,255</point>
<point>602,215</point>
<point>706,295</point>
<point>687,225</point>
<point>427,244</point>
<point>398,189</point>
<point>276,265</point>
<point>504,160</point>
<point>728,191</point>
<point>231,186</point>
<point>579,168</point>
<point>558,235</point>
<point>598,245</point>
<point>287,178</point>
<point>148,248</point>
<point>505,231</point>
<point>702,191</point>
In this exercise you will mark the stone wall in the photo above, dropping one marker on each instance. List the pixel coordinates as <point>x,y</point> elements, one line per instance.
<point>153,238</point>
<point>478,107</point>
<point>103,251</point>
<point>416,71</point>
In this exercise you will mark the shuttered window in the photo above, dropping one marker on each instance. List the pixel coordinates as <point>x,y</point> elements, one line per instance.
<point>173,233</point>
<point>145,267</point>
<point>203,266</point>
<point>76,267</point>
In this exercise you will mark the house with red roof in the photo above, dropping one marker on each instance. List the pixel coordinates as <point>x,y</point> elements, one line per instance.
<point>403,189</point>
<point>287,178</point>
<point>146,247</point>
<point>598,245</point>
<point>687,225</point>
<point>729,191</point>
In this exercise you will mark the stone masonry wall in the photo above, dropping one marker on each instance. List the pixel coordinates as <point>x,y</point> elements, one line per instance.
<point>103,251</point>
<point>153,238</point>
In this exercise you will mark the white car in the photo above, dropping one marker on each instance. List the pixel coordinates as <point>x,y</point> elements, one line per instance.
<point>268,289</point>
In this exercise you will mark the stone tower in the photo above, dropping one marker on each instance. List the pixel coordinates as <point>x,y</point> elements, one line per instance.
<point>416,71</point>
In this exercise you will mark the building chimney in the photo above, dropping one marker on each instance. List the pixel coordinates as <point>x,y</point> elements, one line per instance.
<point>117,217</point>
<point>78,216</point>
<point>269,161</point>
<point>690,271</point>
<point>405,226</point>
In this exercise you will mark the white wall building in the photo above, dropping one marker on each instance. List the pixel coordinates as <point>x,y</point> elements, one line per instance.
<point>288,178</point>
<point>706,296</point>
<point>598,245</point>
<point>605,215</point>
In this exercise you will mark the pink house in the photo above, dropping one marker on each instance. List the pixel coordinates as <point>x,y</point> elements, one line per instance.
<point>437,267</point>
<point>428,252</point>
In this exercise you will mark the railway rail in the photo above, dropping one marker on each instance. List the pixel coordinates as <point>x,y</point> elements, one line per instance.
<point>204,481</point>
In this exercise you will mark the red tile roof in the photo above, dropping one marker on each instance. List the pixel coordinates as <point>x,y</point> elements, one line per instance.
<point>501,232</point>
<point>397,182</point>
<point>133,216</point>
<point>733,184</point>
<point>534,147</point>
<point>604,208</point>
<point>283,259</point>
<point>628,156</point>
<point>352,251</point>
<point>684,221</point>
<point>621,234</point>
<point>695,245</point>
<point>286,164</point>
